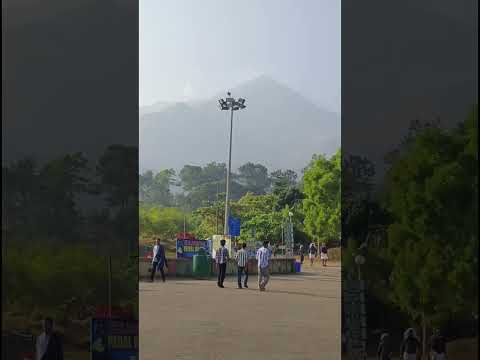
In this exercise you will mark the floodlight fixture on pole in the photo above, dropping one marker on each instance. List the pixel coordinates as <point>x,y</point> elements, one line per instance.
<point>231,104</point>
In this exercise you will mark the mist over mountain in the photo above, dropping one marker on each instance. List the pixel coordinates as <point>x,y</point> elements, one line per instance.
<point>279,128</point>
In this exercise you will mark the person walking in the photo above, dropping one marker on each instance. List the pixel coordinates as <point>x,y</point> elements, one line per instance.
<point>324,254</point>
<point>49,344</point>
<point>263,258</point>
<point>221,257</point>
<point>438,346</point>
<point>159,260</point>
<point>302,255</point>
<point>384,351</point>
<point>312,253</point>
<point>242,265</point>
<point>410,348</point>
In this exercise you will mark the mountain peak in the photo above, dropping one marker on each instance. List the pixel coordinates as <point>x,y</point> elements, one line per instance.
<point>279,128</point>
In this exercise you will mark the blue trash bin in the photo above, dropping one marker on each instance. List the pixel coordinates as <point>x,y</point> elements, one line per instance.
<point>298,266</point>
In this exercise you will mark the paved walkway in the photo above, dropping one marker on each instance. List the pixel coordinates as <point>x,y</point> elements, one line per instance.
<point>297,318</point>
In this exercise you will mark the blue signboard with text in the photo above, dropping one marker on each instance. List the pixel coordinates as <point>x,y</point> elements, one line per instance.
<point>233,226</point>
<point>188,248</point>
<point>114,339</point>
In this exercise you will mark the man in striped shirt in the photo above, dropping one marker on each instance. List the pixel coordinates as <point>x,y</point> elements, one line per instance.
<point>263,258</point>
<point>242,262</point>
<point>221,258</point>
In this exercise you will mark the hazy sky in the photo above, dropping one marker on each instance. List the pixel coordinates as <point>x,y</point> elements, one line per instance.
<point>192,49</point>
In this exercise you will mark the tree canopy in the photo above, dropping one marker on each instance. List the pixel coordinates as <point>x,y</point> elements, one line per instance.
<point>432,193</point>
<point>321,205</point>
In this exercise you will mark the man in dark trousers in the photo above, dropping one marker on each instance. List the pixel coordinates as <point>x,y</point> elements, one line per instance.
<point>438,346</point>
<point>221,258</point>
<point>242,262</point>
<point>410,349</point>
<point>159,260</point>
<point>49,344</point>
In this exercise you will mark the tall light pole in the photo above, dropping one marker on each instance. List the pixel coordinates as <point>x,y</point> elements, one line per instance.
<point>233,105</point>
<point>290,238</point>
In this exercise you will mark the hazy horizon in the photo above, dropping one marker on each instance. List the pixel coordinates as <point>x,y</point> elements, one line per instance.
<point>185,56</point>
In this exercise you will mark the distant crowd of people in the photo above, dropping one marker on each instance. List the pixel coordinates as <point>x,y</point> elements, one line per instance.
<point>411,348</point>
<point>312,253</point>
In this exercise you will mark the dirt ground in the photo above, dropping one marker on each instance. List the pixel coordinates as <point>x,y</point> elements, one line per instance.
<point>298,317</point>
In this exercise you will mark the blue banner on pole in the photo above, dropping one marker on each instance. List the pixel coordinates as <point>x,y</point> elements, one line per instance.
<point>233,226</point>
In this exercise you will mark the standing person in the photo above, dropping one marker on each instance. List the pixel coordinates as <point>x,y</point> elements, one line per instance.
<point>263,258</point>
<point>159,260</point>
<point>384,351</point>
<point>438,346</point>
<point>221,257</point>
<point>242,262</point>
<point>324,254</point>
<point>49,344</point>
<point>411,347</point>
<point>312,253</point>
<point>302,255</point>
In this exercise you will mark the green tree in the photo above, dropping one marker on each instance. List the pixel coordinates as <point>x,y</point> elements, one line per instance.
<point>254,177</point>
<point>117,169</point>
<point>282,179</point>
<point>145,183</point>
<point>190,177</point>
<point>258,213</point>
<point>155,189</point>
<point>162,222</point>
<point>433,241</point>
<point>321,206</point>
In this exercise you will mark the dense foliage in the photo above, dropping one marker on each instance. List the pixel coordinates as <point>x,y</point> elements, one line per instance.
<point>56,245</point>
<point>432,193</point>
<point>321,185</point>
<point>418,230</point>
<point>262,200</point>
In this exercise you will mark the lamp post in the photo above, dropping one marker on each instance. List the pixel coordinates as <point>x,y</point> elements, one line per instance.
<point>231,104</point>
<point>290,237</point>
<point>359,260</point>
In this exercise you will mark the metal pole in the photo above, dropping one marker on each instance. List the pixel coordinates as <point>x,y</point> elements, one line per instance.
<point>184,223</point>
<point>109,287</point>
<point>284,247</point>
<point>227,195</point>
<point>283,241</point>
<point>216,212</point>
<point>292,239</point>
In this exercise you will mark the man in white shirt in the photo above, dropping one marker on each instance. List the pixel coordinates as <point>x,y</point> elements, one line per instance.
<point>263,258</point>
<point>49,345</point>
<point>159,260</point>
<point>242,263</point>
